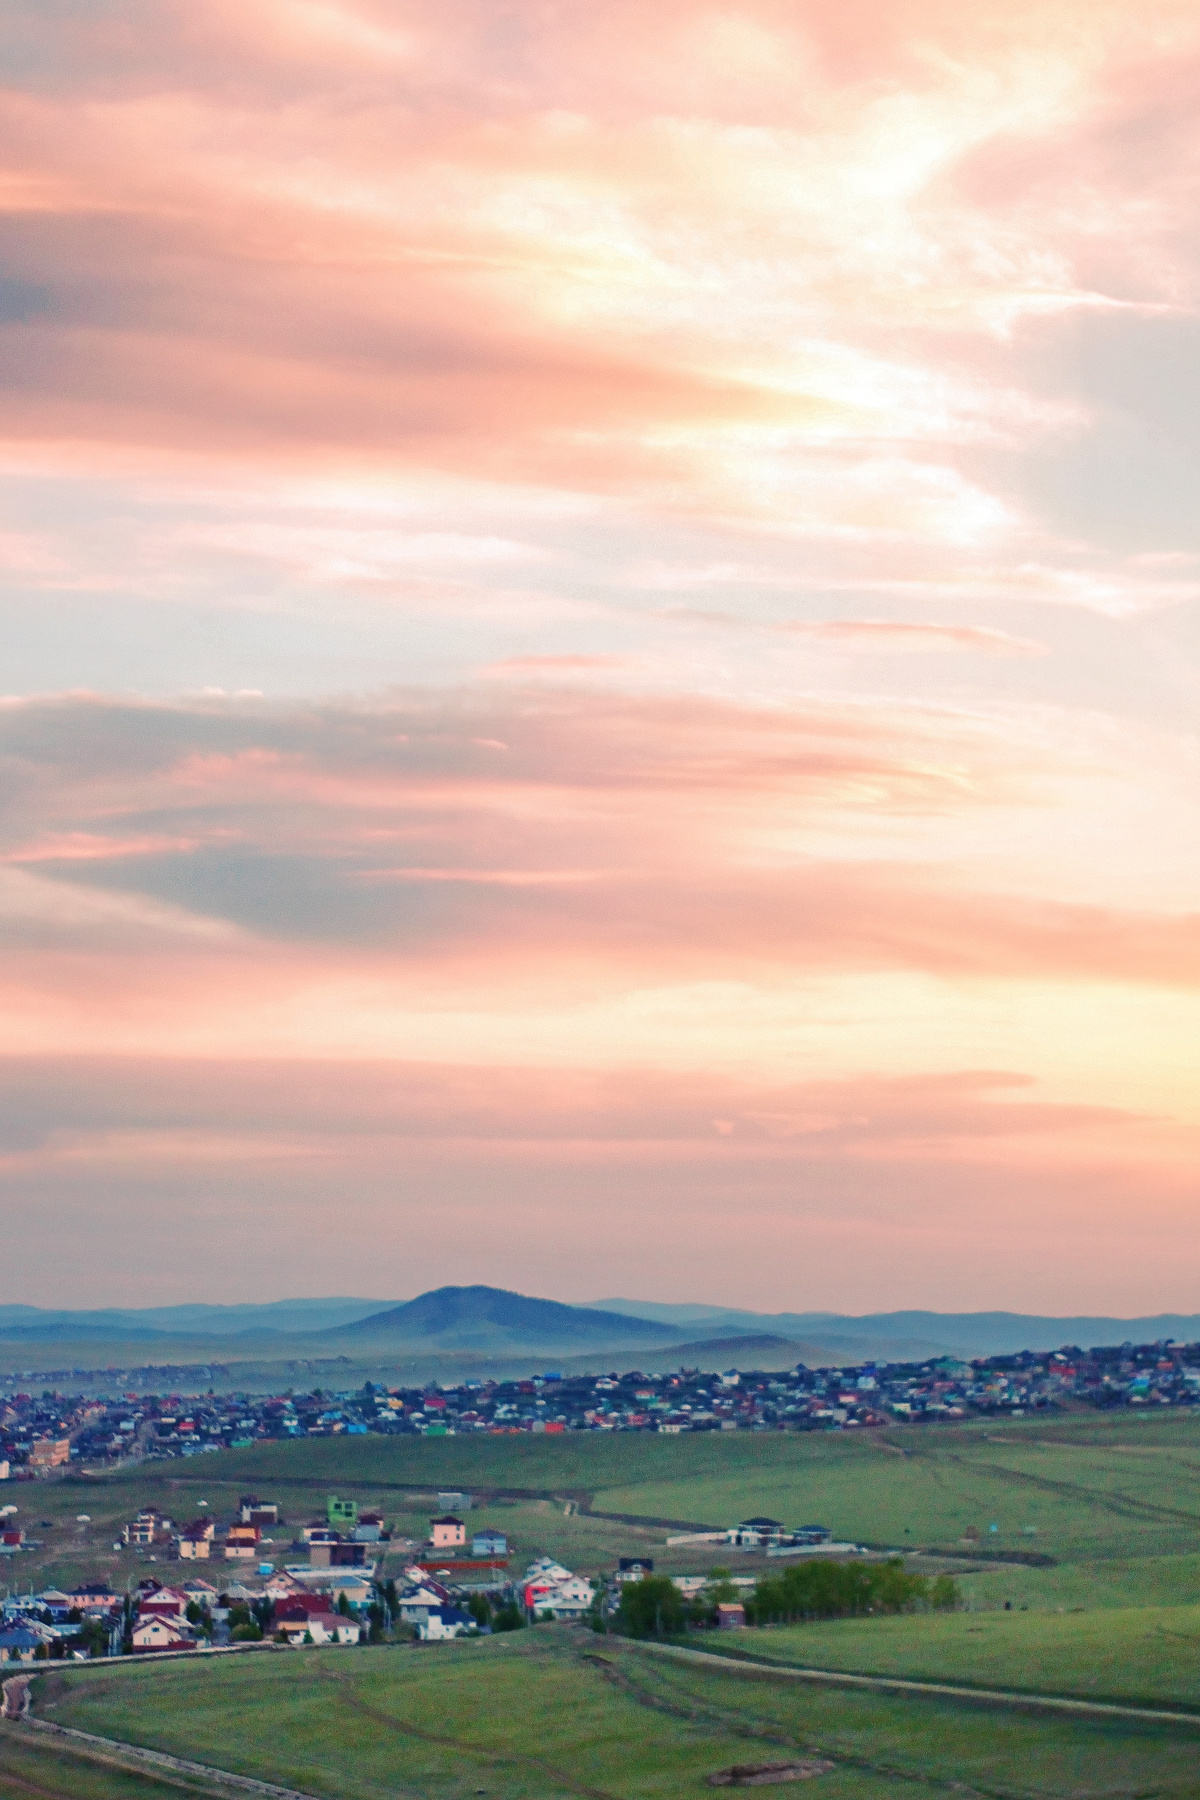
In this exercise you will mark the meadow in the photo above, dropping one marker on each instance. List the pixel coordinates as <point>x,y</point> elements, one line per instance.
<point>1105,1604</point>
<point>1104,1509</point>
<point>554,1712</point>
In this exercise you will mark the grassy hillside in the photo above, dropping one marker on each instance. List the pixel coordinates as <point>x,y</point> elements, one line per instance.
<point>1146,1655</point>
<point>554,1712</point>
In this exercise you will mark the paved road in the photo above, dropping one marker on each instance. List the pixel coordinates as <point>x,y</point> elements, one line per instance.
<point>1103,1709</point>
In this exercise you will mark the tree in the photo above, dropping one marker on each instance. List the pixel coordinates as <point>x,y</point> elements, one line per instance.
<point>652,1607</point>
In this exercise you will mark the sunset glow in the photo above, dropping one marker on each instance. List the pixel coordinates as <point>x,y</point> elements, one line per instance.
<point>600,660</point>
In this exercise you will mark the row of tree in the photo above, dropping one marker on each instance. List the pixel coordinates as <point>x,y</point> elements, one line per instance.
<point>808,1590</point>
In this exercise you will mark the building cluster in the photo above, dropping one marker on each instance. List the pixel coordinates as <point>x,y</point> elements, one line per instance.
<point>39,1435</point>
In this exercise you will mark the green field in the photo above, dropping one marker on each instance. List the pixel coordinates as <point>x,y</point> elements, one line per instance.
<point>1112,1503</point>
<point>556,1712</point>
<point>1107,1508</point>
<point>1145,1655</point>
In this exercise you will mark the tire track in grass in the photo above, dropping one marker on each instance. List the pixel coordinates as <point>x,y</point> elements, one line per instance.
<point>1123,1506</point>
<point>462,1746</point>
<point>734,1724</point>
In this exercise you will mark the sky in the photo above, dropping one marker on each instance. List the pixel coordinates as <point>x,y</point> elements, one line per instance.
<point>599,651</point>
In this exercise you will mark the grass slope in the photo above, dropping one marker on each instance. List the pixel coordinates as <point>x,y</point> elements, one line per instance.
<point>1144,1655</point>
<point>554,1712</point>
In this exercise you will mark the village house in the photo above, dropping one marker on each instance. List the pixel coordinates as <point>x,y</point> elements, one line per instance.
<point>164,1603</point>
<point>199,1593</point>
<point>755,1534</point>
<point>336,1554</point>
<point>94,1597</point>
<point>241,1543</point>
<point>49,1453</point>
<point>418,1602</point>
<point>300,1617</point>
<point>443,1623</point>
<point>155,1633</point>
<point>149,1528</point>
<point>489,1543</point>
<point>253,1511</point>
<point>18,1643</point>
<point>731,1615</point>
<point>196,1539</point>
<point>447,1532</point>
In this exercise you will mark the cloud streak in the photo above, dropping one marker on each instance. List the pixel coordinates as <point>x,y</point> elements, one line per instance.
<point>609,597</point>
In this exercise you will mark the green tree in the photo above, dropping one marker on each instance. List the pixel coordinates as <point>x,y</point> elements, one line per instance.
<point>653,1607</point>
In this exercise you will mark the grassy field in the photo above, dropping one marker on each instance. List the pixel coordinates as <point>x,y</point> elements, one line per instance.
<point>1115,1613</point>
<point>32,1770</point>
<point>555,1712</point>
<point>1114,1500</point>
<point>1146,1655</point>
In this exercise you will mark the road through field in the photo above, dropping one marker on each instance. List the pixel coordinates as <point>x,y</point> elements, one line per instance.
<point>744,1665</point>
<point>1083,1709</point>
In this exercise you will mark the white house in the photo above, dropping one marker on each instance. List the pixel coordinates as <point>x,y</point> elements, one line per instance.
<point>442,1623</point>
<point>567,1599</point>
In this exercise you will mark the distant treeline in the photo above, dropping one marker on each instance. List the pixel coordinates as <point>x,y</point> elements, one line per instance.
<point>838,1590</point>
<point>808,1590</point>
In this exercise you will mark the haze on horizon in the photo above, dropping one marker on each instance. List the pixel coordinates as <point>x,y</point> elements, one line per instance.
<point>600,652</point>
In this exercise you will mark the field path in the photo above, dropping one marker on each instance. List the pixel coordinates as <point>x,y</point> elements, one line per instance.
<point>135,1759</point>
<point>943,1690</point>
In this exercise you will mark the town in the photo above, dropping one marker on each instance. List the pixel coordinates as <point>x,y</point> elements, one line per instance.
<point>457,1583</point>
<point>42,1433</point>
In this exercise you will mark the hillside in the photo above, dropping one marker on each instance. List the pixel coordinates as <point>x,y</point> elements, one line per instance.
<point>912,1335</point>
<point>488,1318</point>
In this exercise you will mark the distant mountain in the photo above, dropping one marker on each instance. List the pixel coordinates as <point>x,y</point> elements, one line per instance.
<point>488,1318</point>
<point>909,1336</point>
<point>191,1319</point>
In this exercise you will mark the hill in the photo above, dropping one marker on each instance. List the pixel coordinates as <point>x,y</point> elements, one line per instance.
<point>190,1319</point>
<point>911,1335</point>
<point>488,1318</point>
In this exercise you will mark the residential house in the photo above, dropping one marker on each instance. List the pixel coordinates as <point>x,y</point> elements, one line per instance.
<point>149,1528</point>
<point>568,1599</point>
<point>541,1579</point>
<point>489,1543</point>
<point>241,1543</point>
<point>18,1643</point>
<point>755,1534</point>
<point>155,1633</point>
<point>199,1593</point>
<point>341,1514</point>
<point>369,1529</point>
<point>298,1617</point>
<point>164,1603</point>
<point>447,1532</point>
<point>338,1555</point>
<point>195,1541</point>
<point>253,1511</point>
<point>418,1602</point>
<point>442,1623</point>
<point>94,1597</point>
<point>11,1539</point>
<point>49,1453</point>
<point>731,1615</point>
